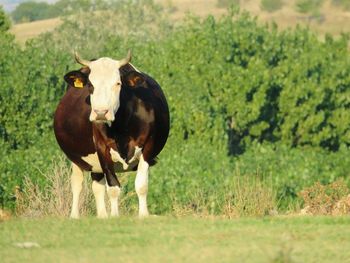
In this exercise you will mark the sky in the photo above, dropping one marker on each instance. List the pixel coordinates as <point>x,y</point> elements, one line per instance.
<point>10,5</point>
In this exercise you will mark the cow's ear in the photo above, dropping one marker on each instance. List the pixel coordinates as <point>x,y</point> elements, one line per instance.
<point>135,80</point>
<point>76,79</point>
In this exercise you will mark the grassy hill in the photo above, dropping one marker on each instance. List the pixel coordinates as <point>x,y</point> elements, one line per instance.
<point>329,19</point>
<point>30,30</point>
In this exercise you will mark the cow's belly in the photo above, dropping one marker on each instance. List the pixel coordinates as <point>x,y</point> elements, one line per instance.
<point>92,159</point>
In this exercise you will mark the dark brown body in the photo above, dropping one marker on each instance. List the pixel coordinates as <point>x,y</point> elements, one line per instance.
<point>142,120</point>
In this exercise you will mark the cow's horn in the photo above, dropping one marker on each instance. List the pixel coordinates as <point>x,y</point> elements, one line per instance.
<point>126,60</point>
<point>80,60</point>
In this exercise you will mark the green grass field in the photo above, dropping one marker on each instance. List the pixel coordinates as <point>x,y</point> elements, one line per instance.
<point>167,239</point>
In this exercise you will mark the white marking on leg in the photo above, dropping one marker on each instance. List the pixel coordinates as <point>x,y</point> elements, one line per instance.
<point>137,154</point>
<point>76,184</point>
<point>113,193</point>
<point>99,189</point>
<point>117,158</point>
<point>93,160</point>
<point>141,186</point>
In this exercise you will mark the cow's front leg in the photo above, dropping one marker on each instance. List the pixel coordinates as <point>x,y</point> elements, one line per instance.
<point>99,188</point>
<point>113,185</point>
<point>76,184</point>
<point>141,186</point>
<point>113,190</point>
<point>103,146</point>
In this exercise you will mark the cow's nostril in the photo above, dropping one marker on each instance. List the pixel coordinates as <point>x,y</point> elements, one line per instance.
<point>101,114</point>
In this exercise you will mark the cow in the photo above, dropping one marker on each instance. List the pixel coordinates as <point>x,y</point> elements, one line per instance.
<point>112,118</point>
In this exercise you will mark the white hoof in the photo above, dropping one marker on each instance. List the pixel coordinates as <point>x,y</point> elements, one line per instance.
<point>115,215</point>
<point>74,216</point>
<point>102,215</point>
<point>143,214</point>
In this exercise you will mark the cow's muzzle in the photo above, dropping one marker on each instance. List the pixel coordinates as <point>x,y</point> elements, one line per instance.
<point>101,116</point>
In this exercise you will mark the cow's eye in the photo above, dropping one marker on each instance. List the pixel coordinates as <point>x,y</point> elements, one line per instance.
<point>117,86</point>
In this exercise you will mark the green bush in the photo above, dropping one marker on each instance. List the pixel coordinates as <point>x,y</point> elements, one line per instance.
<point>244,99</point>
<point>271,5</point>
<point>5,22</point>
<point>227,3</point>
<point>308,6</point>
<point>345,4</point>
<point>33,11</point>
<point>251,83</point>
<point>30,11</point>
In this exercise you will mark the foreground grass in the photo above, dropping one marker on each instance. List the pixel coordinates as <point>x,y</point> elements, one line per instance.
<point>167,239</point>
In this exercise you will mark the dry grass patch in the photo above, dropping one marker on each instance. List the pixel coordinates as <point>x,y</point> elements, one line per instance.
<point>4,215</point>
<point>243,196</point>
<point>250,196</point>
<point>54,199</point>
<point>26,31</point>
<point>330,199</point>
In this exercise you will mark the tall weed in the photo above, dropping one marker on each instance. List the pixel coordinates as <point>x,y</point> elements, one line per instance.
<point>249,195</point>
<point>55,197</point>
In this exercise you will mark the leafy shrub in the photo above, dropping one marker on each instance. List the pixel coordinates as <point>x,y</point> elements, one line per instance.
<point>125,20</point>
<point>5,22</point>
<point>345,4</point>
<point>252,83</point>
<point>32,163</point>
<point>308,6</point>
<point>271,5</point>
<point>322,199</point>
<point>227,3</point>
<point>31,11</point>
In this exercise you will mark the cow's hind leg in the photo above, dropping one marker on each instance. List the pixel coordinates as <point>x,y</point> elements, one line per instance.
<point>141,186</point>
<point>77,184</point>
<point>113,194</point>
<point>99,188</point>
<point>113,190</point>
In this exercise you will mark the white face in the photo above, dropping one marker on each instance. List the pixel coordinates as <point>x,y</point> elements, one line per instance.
<point>105,78</point>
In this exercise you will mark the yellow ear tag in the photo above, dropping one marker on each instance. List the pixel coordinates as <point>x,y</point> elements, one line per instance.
<point>78,83</point>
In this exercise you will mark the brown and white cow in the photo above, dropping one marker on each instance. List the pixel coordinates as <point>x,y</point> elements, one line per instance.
<point>113,118</point>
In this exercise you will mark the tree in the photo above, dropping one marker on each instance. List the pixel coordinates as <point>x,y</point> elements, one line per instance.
<point>31,11</point>
<point>5,22</point>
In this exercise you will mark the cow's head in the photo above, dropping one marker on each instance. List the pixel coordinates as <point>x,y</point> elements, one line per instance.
<point>104,83</point>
